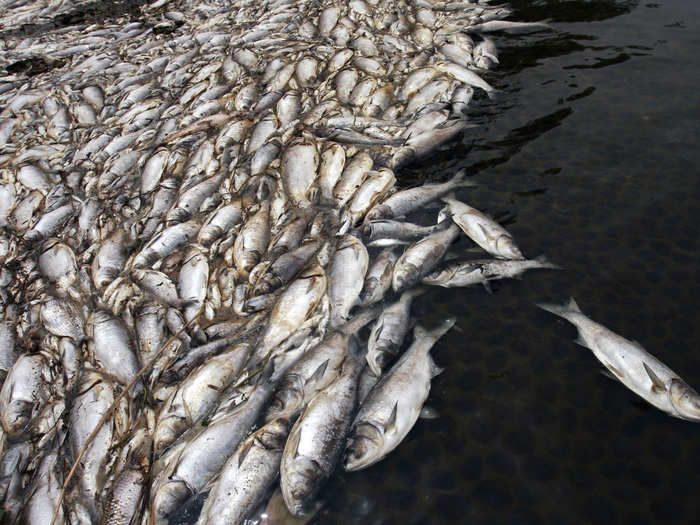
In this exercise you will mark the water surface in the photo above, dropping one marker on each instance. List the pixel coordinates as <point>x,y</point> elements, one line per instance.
<point>589,155</point>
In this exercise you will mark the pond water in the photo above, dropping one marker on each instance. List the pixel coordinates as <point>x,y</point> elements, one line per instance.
<point>589,156</point>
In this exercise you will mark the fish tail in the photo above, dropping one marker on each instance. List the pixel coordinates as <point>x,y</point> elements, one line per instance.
<point>561,310</point>
<point>363,317</point>
<point>493,93</point>
<point>437,332</point>
<point>460,181</point>
<point>544,262</point>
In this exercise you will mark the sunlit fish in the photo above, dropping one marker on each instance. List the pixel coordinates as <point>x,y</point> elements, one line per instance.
<point>633,366</point>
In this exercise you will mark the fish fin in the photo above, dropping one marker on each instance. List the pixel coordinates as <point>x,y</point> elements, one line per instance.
<point>459,176</point>
<point>608,374</point>
<point>656,384</point>
<point>391,422</point>
<point>443,328</point>
<point>486,234</point>
<point>449,197</point>
<point>245,448</point>
<point>560,310</point>
<point>428,413</point>
<point>318,374</point>
<point>573,306</point>
<point>615,373</point>
<point>293,444</point>
<point>487,287</point>
<point>435,370</point>
<point>580,341</point>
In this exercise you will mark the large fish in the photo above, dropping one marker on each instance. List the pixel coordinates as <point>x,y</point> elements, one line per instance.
<point>392,407</point>
<point>633,366</point>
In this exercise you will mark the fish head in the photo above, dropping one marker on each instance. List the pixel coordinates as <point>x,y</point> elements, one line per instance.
<point>273,435</point>
<point>405,276</point>
<point>168,498</point>
<point>684,399</point>
<point>302,478</point>
<point>507,247</point>
<point>381,211</point>
<point>379,360</point>
<point>364,447</point>
<point>288,398</point>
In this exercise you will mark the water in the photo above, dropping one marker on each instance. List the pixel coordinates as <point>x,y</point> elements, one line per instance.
<point>589,156</point>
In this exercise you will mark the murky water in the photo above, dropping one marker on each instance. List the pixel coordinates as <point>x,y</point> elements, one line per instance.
<point>590,156</point>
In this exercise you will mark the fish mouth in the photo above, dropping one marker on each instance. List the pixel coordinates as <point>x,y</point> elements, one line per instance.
<point>364,447</point>
<point>302,484</point>
<point>684,399</point>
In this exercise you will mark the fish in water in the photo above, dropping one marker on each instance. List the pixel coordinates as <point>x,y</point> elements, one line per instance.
<point>189,198</point>
<point>632,365</point>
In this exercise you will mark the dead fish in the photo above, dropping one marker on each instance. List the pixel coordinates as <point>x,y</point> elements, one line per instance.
<point>394,404</point>
<point>482,271</point>
<point>633,366</point>
<point>407,201</point>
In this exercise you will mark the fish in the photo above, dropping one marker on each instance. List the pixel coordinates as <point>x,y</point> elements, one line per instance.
<point>346,277</point>
<point>192,203</point>
<point>389,331</point>
<point>467,273</point>
<point>246,476</point>
<point>421,257</point>
<point>483,230</point>
<point>628,362</point>
<point>378,279</point>
<point>407,201</point>
<point>317,439</point>
<point>392,407</point>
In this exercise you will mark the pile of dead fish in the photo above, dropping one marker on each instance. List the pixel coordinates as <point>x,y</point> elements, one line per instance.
<point>198,215</point>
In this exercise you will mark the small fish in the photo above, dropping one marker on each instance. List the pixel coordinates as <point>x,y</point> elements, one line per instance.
<point>421,257</point>
<point>467,273</point>
<point>389,331</point>
<point>378,279</point>
<point>407,201</point>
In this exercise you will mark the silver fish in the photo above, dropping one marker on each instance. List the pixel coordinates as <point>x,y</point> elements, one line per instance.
<point>482,271</point>
<point>394,404</point>
<point>483,230</point>
<point>421,257</point>
<point>378,278</point>
<point>246,477</point>
<point>346,277</point>
<point>389,331</point>
<point>407,201</point>
<point>633,366</point>
<point>317,439</point>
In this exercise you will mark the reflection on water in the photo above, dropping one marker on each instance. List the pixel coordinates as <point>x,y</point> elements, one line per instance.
<point>589,155</point>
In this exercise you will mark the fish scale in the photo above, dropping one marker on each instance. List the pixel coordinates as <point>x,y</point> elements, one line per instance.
<point>222,147</point>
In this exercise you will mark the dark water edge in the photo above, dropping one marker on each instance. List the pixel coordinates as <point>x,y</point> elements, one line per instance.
<point>589,155</point>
